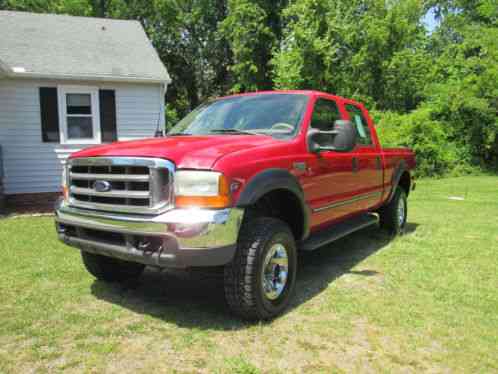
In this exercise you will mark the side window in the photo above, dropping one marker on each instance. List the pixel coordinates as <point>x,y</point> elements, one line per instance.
<point>359,120</point>
<point>325,114</point>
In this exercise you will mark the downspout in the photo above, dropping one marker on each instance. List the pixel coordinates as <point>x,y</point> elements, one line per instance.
<point>163,90</point>
<point>163,105</point>
<point>161,118</point>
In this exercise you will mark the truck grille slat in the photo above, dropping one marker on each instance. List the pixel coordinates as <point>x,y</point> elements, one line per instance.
<point>126,194</point>
<point>135,185</point>
<point>111,177</point>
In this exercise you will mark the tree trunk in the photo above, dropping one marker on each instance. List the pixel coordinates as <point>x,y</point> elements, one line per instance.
<point>99,8</point>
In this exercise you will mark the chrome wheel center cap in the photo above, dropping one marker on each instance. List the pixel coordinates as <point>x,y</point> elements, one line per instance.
<point>275,271</point>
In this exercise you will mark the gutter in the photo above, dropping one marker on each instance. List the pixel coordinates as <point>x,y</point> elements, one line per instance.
<point>103,78</point>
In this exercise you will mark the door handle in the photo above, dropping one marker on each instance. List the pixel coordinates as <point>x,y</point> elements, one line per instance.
<point>355,165</point>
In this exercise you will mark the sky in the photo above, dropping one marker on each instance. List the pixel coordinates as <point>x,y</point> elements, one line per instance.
<point>430,20</point>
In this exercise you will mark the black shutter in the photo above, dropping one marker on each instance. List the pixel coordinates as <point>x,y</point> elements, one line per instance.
<point>107,101</point>
<point>49,112</point>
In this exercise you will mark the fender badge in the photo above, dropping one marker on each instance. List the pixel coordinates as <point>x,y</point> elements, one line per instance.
<point>301,166</point>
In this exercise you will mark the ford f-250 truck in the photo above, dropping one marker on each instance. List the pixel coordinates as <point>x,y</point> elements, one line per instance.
<point>242,184</point>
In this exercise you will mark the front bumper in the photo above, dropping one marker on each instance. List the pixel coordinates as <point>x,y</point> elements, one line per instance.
<point>179,238</point>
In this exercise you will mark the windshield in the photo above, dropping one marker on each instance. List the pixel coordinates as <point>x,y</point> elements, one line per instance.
<point>277,115</point>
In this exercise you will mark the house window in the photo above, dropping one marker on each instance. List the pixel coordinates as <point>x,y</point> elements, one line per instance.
<point>80,117</point>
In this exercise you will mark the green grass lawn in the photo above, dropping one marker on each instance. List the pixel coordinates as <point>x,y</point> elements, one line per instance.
<point>427,301</point>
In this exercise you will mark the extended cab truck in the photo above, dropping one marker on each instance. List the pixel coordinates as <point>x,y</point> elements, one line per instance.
<point>241,183</point>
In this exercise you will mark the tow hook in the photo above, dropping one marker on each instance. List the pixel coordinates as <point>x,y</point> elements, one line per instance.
<point>150,244</point>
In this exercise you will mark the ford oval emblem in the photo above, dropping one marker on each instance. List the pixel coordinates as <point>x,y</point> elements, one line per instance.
<point>102,186</point>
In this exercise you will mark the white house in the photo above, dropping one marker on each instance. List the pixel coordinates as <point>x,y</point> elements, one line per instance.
<point>67,83</point>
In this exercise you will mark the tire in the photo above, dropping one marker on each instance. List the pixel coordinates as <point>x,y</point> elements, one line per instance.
<point>393,215</point>
<point>110,269</point>
<point>245,290</point>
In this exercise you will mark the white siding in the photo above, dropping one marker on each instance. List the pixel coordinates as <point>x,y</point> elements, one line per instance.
<point>33,166</point>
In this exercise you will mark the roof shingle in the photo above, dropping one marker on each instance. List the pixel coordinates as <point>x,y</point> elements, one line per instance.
<point>60,46</point>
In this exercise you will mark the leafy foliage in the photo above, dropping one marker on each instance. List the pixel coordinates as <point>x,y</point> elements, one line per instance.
<point>436,154</point>
<point>436,92</point>
<point>361,49</point>
<point>251,39</point>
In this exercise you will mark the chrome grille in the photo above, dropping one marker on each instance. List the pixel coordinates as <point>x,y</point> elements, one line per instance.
<point>135,185</point>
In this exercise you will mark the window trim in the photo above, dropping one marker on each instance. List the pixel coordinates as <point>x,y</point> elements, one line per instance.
<point>94,94</point>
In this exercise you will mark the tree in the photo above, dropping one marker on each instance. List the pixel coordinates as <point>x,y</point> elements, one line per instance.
<point>186,37</point>
<point>73,7</point>
<point>356,49</point>
<point>464,93</point>
<point>253,29</point>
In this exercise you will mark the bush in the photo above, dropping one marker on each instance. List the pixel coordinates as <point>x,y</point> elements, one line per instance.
<point>436,154</point>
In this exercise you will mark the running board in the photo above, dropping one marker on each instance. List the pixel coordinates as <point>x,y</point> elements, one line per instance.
<point>338,231</point>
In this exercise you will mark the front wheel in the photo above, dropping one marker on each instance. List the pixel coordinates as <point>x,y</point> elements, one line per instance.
<point>393,215</point>
<point>260,280</point>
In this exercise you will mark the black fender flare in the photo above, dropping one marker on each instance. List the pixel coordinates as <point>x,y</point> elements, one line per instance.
<point>398,172</point>
<point>270,180</point>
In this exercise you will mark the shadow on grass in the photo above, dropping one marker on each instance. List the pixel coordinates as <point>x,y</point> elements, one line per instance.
<point>194,301</point>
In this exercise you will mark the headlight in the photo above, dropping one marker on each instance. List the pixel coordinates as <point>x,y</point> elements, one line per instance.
<point>205,189</point>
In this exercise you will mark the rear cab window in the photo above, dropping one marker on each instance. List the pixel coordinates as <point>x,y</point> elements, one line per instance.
<point>358,118</point>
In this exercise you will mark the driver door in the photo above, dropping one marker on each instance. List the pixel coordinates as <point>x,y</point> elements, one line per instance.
<point>331,182</point>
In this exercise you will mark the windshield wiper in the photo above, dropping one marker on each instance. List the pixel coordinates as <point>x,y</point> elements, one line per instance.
<point>232,131</point>
<point>179,134</point>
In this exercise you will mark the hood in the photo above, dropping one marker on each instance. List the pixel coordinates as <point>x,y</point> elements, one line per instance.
<point>187,152</point>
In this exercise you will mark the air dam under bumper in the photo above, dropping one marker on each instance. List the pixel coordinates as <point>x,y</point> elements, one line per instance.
<point>179,238</point>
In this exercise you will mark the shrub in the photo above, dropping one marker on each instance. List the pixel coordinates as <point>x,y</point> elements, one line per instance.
<point>429,138</point>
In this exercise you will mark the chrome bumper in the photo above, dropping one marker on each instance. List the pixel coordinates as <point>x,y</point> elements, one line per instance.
<point>178,238</point>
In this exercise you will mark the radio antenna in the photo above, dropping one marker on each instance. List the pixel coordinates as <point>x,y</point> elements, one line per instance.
<point>159,133</point>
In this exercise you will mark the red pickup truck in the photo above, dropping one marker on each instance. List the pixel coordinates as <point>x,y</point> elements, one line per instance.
<point>241,184</point>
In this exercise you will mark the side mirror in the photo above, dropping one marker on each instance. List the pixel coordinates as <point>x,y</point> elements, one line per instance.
<point>341,139</point>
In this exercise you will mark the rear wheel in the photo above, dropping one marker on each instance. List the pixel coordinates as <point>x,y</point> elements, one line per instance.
<point>393,215</point>
<point>260,280</point>
<point>111,269</point>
